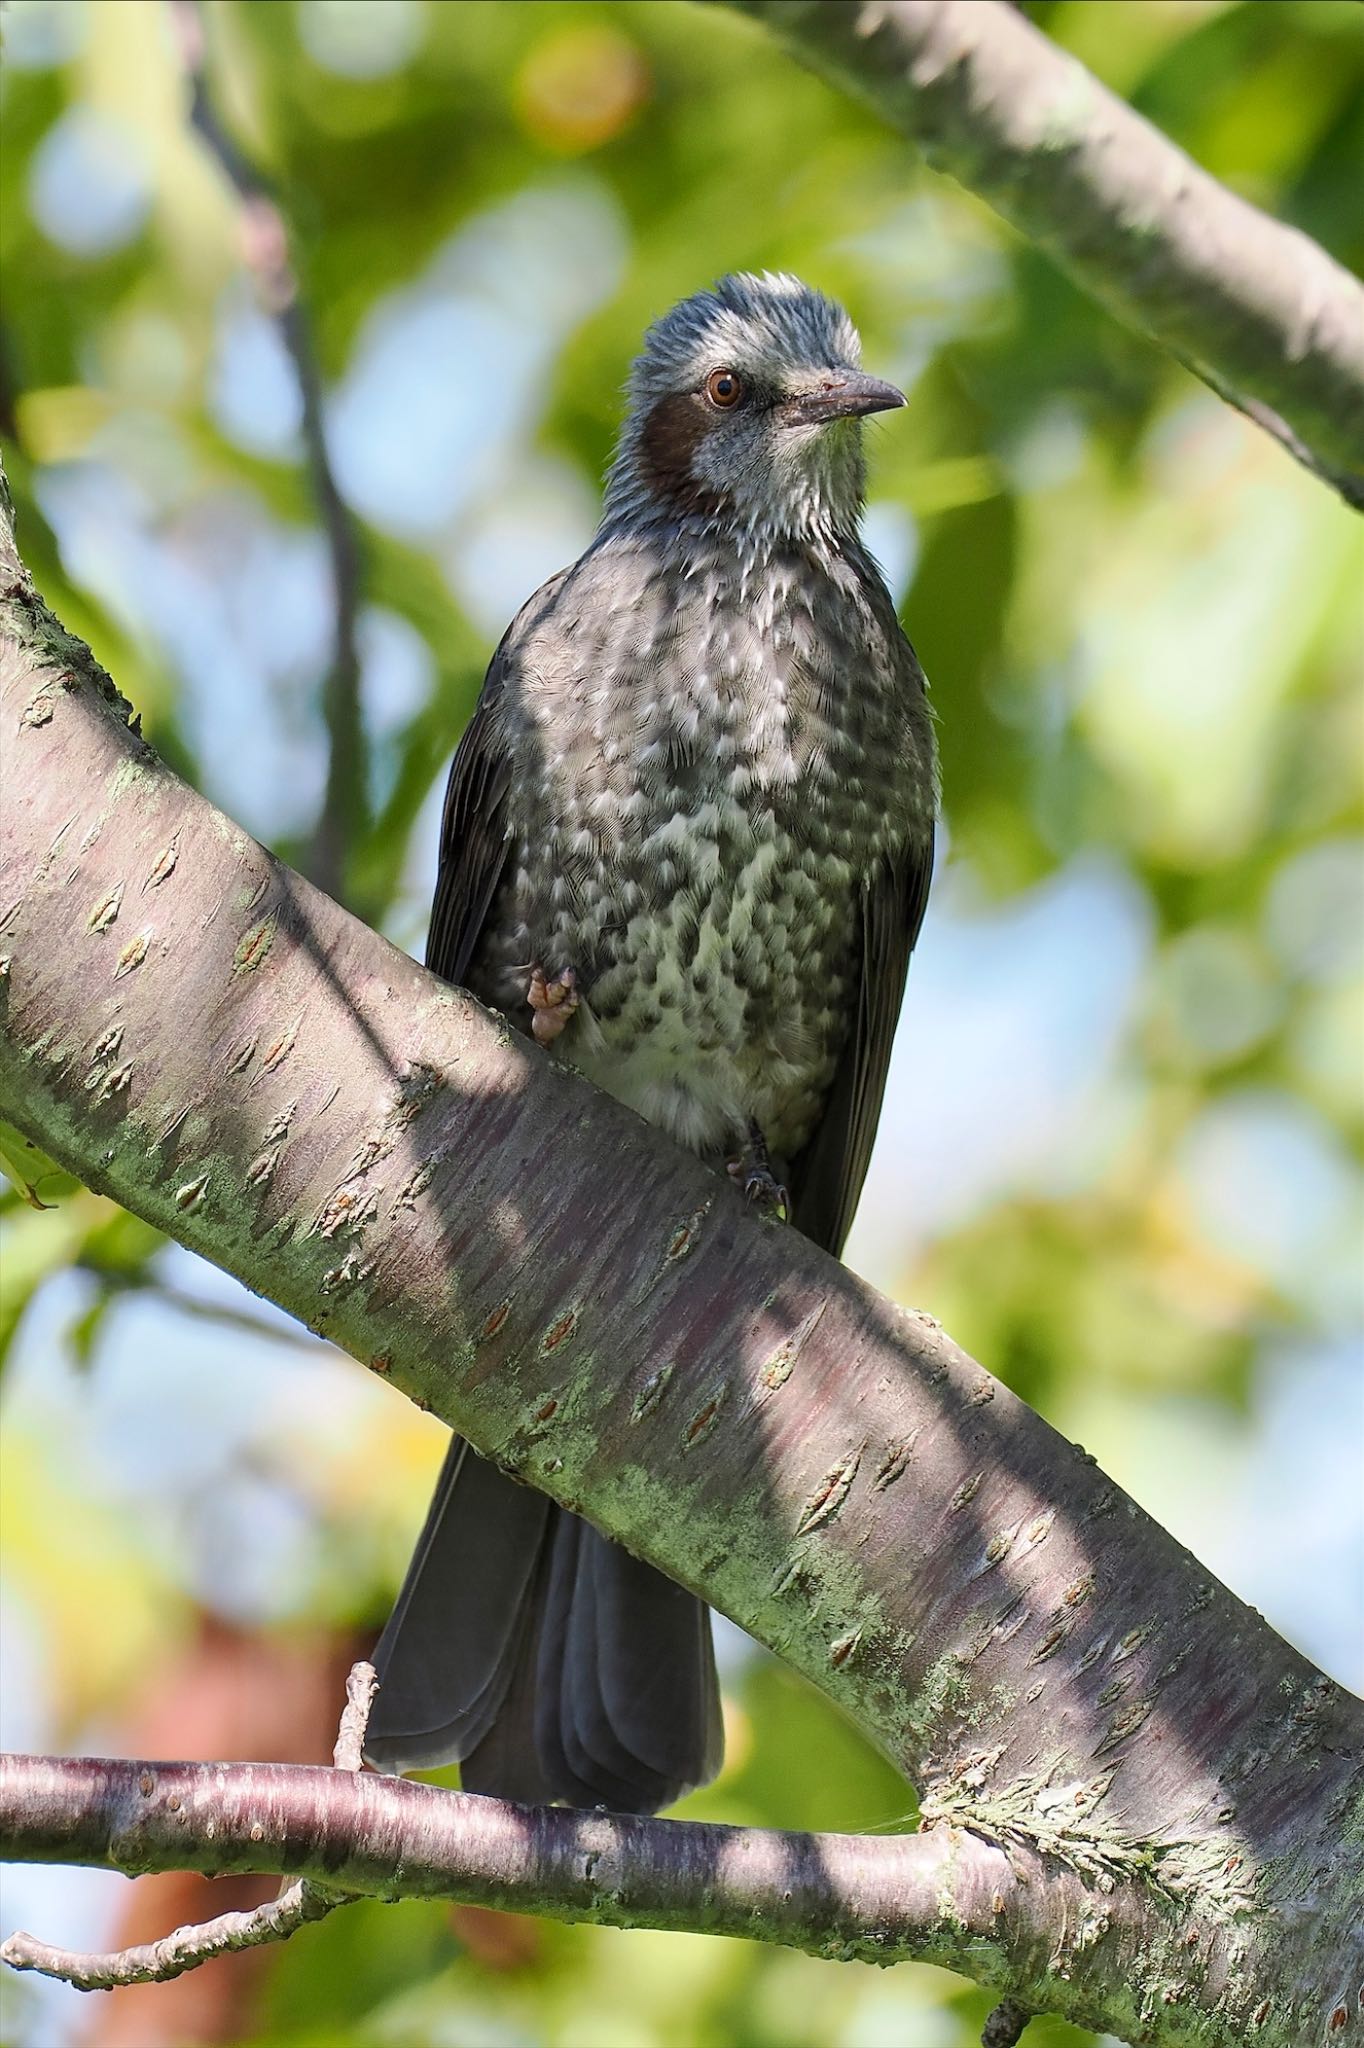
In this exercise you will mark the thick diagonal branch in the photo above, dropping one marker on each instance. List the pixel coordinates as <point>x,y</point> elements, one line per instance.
<point>1255,308</point>
<point>199,1033</point>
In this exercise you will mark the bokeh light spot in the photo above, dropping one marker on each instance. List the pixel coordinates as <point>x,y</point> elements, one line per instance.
<point>1315,914</point>
<point>1216,997</point>
<point>88,185</point>
<point>580,86</point>
<point>892,534</point>
<point>1271,1185</point>
<point>254,391</point>
<point>361,38</point>
<point>39,35</point>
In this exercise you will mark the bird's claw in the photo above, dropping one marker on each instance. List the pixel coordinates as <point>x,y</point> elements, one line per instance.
<point>752,1174</point>
<point>552,1002</point>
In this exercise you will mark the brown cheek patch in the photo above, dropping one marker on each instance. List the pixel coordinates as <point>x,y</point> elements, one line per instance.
<point>673,431</point>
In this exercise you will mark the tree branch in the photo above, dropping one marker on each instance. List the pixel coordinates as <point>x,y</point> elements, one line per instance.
<point>1254,308</point>
<point>881,1898</point>
<point>265,245</point>
<point>157,1962</point>
<point>200,1034</point>
<point>299,1902</point>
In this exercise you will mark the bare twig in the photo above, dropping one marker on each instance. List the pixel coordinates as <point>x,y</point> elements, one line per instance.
<point>155,1962</point>
<point>265,247</point>
<point>361,1686</point>
<point>1253,307</point>
<point>229,1318</point>
<point>223,1314</point>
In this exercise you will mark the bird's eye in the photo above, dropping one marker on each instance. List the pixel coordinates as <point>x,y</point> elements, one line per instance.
<point>724,388</point>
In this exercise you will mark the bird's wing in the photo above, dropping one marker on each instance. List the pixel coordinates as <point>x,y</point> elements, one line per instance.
<point>474,842</point>
<point>826,1179</point>
<point>475,834</point>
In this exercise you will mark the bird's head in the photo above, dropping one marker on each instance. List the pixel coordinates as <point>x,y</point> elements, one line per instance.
<point>745,409</point>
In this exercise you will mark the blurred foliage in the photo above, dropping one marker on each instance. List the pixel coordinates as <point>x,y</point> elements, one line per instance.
<point>1142,625</point>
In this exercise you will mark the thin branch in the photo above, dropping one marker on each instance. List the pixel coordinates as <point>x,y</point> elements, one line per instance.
<point>223,1314</point>
<point>880,1898</point>
<point>362,1683</point>
<point>299,1902</point>
<point>157,1962</point>
<point>265,245</point>
<point>1253,307</point>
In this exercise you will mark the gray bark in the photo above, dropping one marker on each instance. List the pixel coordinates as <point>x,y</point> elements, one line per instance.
<point>200,1034</point>
<point>1256,309</point>
<point>876,1898</point>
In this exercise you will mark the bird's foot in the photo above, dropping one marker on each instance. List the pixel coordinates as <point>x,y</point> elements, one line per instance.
<point>752,1174</point>
<point>552,1002</point>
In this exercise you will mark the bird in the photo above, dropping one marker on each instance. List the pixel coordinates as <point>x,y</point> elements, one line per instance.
<point>686,845</point>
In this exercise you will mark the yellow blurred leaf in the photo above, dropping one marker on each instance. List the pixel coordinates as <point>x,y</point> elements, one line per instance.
<point>58,424</point>
<point>579,86</point>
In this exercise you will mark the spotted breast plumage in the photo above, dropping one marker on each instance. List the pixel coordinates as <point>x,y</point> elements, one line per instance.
<point>687,842</point>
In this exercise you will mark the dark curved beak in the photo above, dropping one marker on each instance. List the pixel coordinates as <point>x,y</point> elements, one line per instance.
<point>841,395</point>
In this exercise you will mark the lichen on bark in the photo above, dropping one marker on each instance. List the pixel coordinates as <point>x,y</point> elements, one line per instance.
<point>201,1035</point>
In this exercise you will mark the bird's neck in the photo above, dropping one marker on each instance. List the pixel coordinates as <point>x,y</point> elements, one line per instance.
<point>814,499</point>
<point>706,529</point>
<point>740,558</point>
